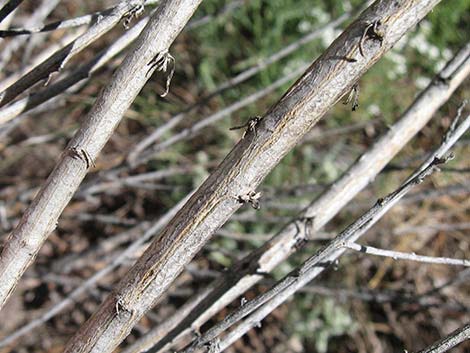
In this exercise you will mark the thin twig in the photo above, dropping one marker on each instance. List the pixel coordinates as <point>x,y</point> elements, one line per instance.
<point>398,255</point>
<point>456,337</point>
<point>82,72</point>
<point>59,59</point>
<point>38,16</point>
<point>70,23</point>
<point>231,6</point>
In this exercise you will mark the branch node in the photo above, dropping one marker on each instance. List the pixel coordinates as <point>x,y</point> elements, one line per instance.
<point>161,63</point>
<point>135,12</point>
<point>372,31</point>
<point>252,198</point>
<point>82,155</point>
<point>250,126</point>
<point>120,307</point>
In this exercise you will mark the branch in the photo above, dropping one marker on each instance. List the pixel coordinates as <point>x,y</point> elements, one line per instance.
<point>247,272</point>
<point>398,255</point>
<point>133,159</point>
<point>40,13</point>
<point>82,72</point>
<point>59,59</point>
<point>9,7</point>
<point>121,258</point>
<point>264,303</point>
<point>237,177</point>
<point>70,23</point>
<point>453,339</point>
<point>41,217</point>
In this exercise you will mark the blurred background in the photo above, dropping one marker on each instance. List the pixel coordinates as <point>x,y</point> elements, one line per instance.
<point>364,304</point>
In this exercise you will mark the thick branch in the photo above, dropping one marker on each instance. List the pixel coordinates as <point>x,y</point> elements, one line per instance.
<point>324,83</point>
<point>41,217</point>
<point>243,275</point>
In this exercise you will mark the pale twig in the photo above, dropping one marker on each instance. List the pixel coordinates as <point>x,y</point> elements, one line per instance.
<point>82,72</point>
<point>41,56</point>
<point>453,133</point>
<point>113,183</point>
<point>456,337</point>
<point>70,23</point>
<point>386,296</point>
<point>59,59</point>
<point>231,6</point>
<point>40,219</point>
<point>264,303</point>
<point>232,82</point>
<point>398,255</point>
<point>244,274</point>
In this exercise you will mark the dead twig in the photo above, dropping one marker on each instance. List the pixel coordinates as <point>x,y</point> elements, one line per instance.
<point>398,255</point>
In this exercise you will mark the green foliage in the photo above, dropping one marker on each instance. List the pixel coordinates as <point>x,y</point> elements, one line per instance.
<point>317,320</point>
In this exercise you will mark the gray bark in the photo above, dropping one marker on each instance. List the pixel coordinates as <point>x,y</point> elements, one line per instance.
<point>237,177</point>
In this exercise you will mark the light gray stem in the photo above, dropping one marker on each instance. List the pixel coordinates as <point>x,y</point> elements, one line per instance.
<point>41,217</point>
<point>329,78</point>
